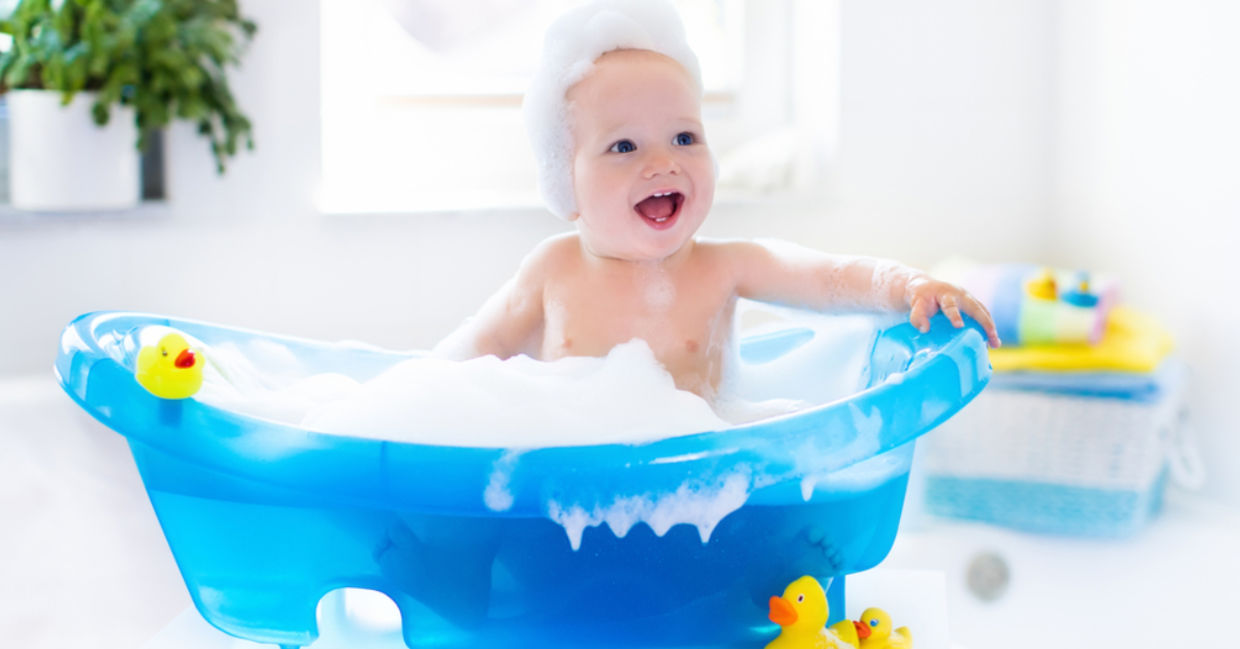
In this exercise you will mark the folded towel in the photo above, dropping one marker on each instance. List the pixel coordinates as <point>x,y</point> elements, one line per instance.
<point>1141,387</point>
<point>1131,342</point>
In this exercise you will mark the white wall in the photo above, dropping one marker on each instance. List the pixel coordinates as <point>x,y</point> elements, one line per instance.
<point>930,170</point>
<point>945,124</point>
<point>1148,182</point>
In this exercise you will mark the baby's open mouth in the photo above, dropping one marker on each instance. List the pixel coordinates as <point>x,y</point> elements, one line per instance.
<point>661,208</point>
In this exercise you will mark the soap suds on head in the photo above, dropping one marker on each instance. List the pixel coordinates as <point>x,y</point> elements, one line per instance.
<point>572,44</point>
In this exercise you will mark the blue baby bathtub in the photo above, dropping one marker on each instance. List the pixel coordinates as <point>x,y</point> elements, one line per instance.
<point>264,519</point>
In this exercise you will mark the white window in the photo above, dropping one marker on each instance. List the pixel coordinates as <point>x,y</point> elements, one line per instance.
<point>421,98</point>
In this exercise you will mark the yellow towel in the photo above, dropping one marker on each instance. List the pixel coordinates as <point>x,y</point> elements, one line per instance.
<point>1131,342</point>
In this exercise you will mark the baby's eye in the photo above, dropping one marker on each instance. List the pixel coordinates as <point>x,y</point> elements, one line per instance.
<point>623,146</point>
<point>684,139</point>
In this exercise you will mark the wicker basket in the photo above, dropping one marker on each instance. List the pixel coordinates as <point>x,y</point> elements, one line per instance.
<point>1061,463</point>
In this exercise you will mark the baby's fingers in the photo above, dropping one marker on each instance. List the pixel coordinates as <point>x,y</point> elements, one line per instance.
<point>920,312</point>
<point>951,310</point>
<point>978,311</point>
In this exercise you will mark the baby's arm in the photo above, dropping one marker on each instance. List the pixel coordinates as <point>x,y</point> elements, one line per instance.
<point>509,323</point>
<point>797,276</point>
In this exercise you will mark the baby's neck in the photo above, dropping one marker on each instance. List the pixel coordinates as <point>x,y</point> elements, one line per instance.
<point>637,267</point>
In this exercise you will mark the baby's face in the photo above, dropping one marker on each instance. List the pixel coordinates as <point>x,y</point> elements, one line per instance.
<point>642,173</point>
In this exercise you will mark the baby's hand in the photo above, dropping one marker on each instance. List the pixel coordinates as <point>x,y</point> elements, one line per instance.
<point>927,296</point>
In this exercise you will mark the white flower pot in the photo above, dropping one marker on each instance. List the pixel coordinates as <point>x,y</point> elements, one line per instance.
<point>59,160</point>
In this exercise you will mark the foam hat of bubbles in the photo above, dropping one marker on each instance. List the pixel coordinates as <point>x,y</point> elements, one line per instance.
<point>572,44</point>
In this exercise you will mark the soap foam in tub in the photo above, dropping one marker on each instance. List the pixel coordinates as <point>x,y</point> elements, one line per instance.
<point>520,403</point>
<point>625,397</point>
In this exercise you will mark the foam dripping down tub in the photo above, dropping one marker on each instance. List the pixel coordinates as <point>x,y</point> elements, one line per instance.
<point>675,542</point>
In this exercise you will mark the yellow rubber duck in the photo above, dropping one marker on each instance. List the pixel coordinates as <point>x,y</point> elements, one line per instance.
<point>170,369</point>
<point>875,631</point>
<point>1043,286</point>
<point>802,612</point>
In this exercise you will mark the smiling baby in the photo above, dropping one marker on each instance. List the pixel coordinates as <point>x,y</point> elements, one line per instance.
<point>614,115</point>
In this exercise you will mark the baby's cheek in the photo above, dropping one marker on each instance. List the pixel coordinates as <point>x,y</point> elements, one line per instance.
<point>589,183</point>
<point>580,173</point>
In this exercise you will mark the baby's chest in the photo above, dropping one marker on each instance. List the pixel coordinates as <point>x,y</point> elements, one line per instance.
<point>681,329</point>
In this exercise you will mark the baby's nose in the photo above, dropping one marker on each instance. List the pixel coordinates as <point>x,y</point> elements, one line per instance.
<point>660,163</point>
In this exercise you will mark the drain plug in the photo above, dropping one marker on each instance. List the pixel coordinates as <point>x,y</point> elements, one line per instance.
<point>988,576</point>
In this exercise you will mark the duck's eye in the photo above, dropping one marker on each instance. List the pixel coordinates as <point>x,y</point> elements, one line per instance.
<point>623,146</point>
<point>800,598</point>
<point>163,351</point>
<point>873,622</point>
<point>684,139</point>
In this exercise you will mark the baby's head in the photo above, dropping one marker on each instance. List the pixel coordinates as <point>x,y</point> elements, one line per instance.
<point>614,116</point>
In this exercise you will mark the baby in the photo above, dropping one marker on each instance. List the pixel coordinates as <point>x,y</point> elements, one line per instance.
<point>614,115</point>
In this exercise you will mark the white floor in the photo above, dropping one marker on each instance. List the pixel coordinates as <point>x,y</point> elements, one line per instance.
<point>1172,585</point>
<point>364,620</point>
<point>83,562</point>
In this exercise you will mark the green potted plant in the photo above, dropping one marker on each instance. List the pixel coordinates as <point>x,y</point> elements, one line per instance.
<point>87,82</point>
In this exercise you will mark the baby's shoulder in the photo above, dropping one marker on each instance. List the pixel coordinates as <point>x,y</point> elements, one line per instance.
<point>726,252</point>
<point>555,253</point>
<point>721,247</point>
<point>550,258</point>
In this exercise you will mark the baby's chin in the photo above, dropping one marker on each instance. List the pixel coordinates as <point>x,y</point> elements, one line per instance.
<point>634,237</point>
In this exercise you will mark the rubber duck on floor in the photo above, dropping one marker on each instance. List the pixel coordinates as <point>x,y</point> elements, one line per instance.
<point>802,612</point>
<point>169,369</point>
<point>876,633</point>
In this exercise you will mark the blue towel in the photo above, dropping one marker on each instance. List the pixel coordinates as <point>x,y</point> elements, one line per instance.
<point>1133,386</point>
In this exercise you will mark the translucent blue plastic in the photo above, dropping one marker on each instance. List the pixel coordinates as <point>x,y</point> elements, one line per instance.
<point>264,519</point>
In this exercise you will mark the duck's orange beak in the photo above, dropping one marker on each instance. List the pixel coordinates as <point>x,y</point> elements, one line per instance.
<point>863,630</point>
<point>782,612</point>
<point>185,359</point>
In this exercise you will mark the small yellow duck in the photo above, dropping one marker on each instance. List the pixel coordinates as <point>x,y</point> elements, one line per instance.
<point>802,612</point>
<point>875,631</point>
<point>1043,286</point>
<point>170,369</point>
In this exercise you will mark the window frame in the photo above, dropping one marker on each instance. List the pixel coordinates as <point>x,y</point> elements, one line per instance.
<point>805,34</point>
